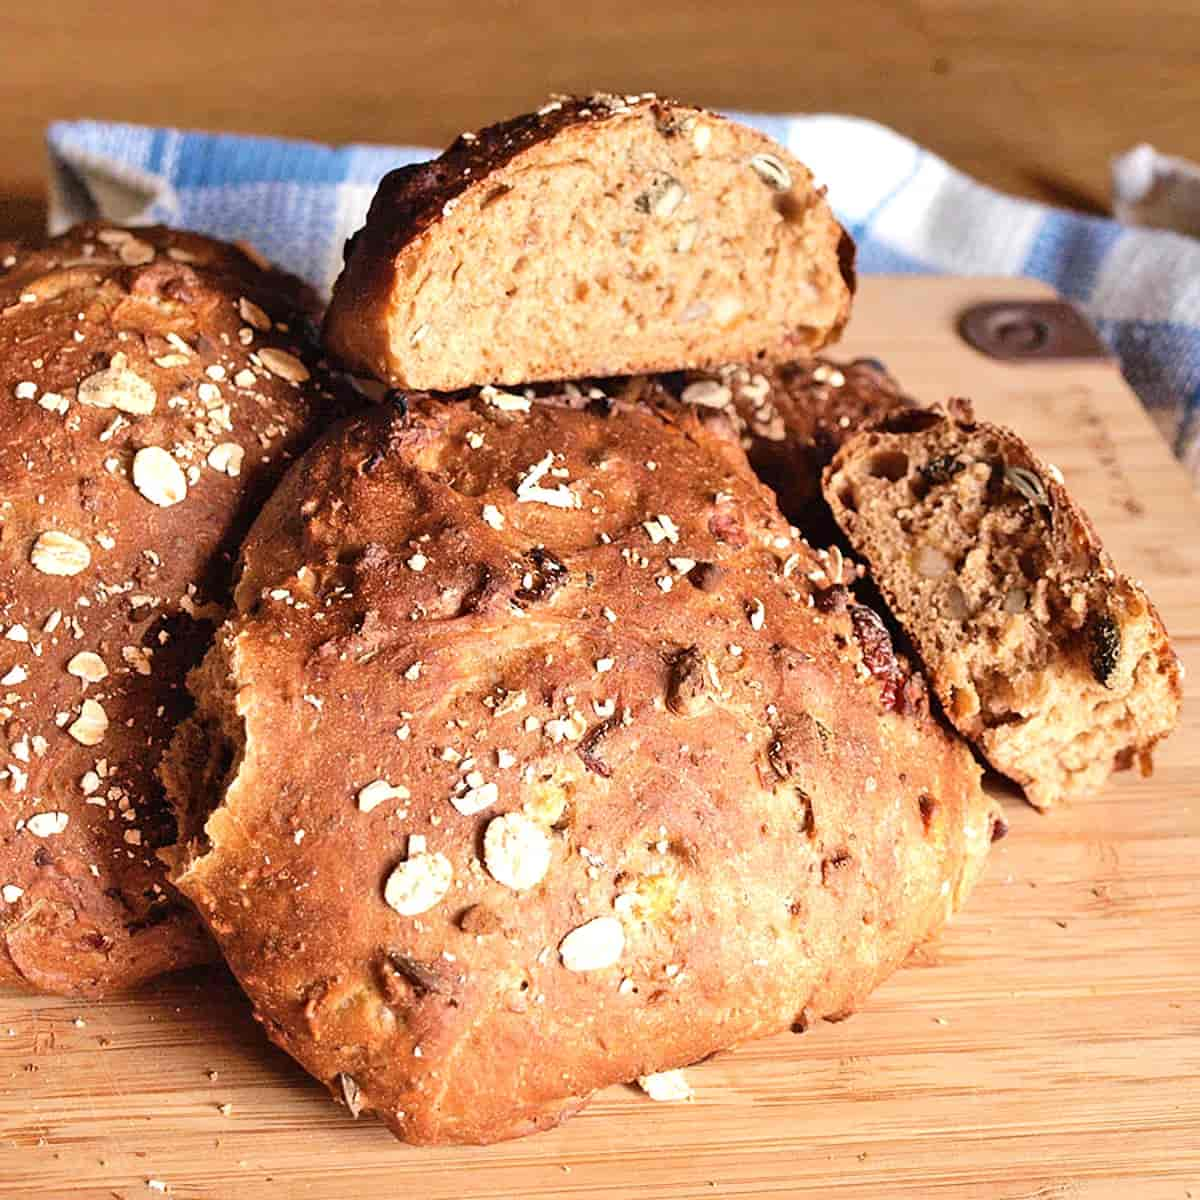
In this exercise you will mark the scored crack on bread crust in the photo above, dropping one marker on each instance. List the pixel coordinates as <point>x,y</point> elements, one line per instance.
<point>1056,665</point>
<point>151,392</point>
<point>547,756</point>
<point>598,236</point>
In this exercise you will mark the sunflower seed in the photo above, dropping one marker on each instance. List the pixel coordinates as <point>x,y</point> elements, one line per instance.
<point>286,366</point>
<point>771,171</point>
<point>664,195</point>
<point>253,315</point>
<point>1028,484</point>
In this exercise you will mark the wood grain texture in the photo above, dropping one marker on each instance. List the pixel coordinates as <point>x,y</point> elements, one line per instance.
<point>1031,96</point>
<point>1047,1048</point>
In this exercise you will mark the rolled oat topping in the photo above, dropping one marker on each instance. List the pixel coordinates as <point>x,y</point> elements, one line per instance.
<point>47,824</point>
<point>58,553</point>
<point>418,883</point>
<point>120,388</point>
<point>158,477</point>
<point>597,944</point>
<point>516,851</point>
<point>90,727</point>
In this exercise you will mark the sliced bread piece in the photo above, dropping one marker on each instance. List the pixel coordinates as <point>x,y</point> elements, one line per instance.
<point>1056,665</point>
<point>595,237</point>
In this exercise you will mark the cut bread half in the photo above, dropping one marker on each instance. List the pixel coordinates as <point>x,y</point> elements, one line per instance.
<point>1056,665</point>
<point>596,237</point>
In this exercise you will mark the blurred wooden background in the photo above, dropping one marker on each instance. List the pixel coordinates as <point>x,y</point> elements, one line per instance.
<point>1032,96</point>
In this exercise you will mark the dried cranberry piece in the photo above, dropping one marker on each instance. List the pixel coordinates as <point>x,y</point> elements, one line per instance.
<point>878,653</point>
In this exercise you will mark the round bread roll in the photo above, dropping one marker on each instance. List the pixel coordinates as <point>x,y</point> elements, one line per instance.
<point>541,754</point>
<point>152,389</point>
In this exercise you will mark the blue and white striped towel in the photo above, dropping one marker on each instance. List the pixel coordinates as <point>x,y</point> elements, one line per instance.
<point>909,211</point>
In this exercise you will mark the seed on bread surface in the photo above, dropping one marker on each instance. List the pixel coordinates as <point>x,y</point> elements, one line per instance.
<point>284,364</point>
<point>253,314</point>
<point>378,792</point>
<point>88,666</point>
<point>47,824</point>
<point>90,727</point>
<point>227,457</point>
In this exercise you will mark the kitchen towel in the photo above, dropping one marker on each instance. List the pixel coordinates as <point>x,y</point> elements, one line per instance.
<point>909,211</point>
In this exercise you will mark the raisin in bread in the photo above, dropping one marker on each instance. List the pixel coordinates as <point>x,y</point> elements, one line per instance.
<point>1056,665</point>
<point>600,236</point>
<point>152,389</point>
<point>539,761</point>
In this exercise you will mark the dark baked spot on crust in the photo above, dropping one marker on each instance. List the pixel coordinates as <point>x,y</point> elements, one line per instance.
<point>589,747</point>
<point>928,806</point>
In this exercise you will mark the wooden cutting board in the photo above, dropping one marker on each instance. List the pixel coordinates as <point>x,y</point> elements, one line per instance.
<point>1048,1046</point>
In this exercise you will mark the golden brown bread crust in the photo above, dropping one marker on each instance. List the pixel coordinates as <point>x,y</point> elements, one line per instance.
<point>592,198</point>
<point>590,615</point>
<point>790,419</point>
<point>1054,663</point>
<point>113,342</point>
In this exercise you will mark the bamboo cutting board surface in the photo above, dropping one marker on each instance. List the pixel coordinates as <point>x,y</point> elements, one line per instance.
<point>1047,1047</point>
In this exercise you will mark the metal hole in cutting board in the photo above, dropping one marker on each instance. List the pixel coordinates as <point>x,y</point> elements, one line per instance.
<point>1040,330</point>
